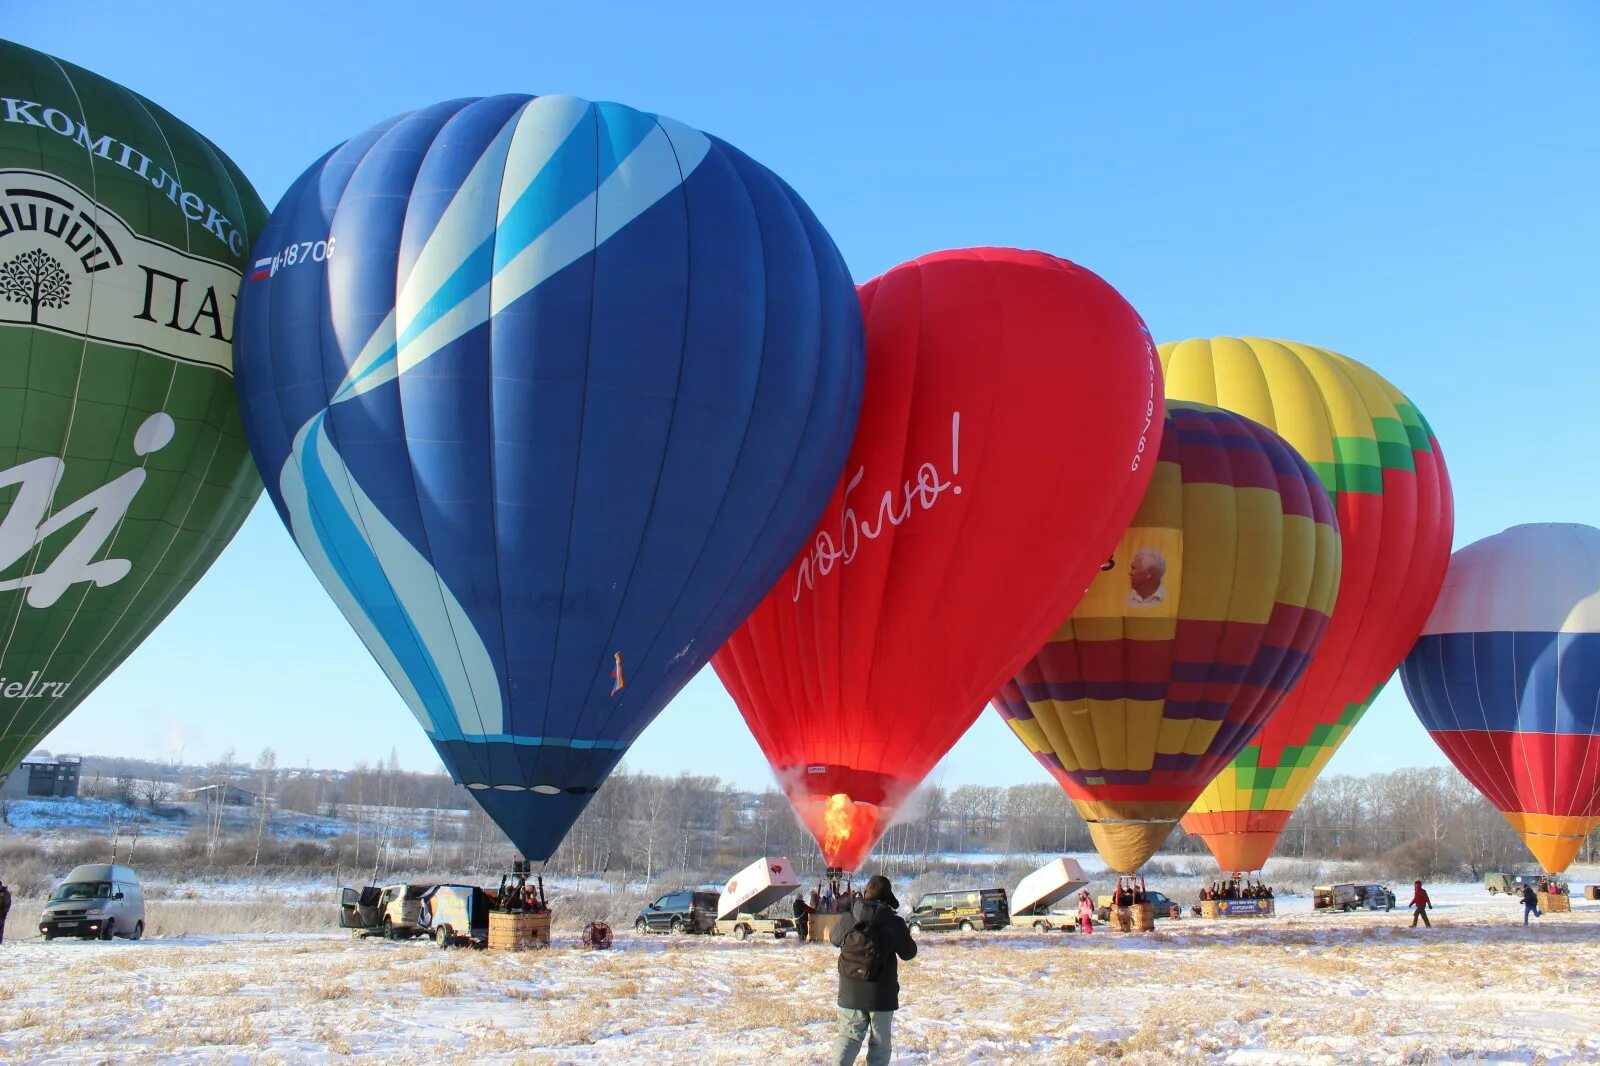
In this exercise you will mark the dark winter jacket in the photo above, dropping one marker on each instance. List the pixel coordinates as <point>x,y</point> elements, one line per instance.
<point>5,903</point>
<point>894,943</point>
<point>1530,898</point>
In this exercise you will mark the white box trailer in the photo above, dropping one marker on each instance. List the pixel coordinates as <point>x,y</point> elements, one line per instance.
<point>757,887</point>
<point>1043,889</point>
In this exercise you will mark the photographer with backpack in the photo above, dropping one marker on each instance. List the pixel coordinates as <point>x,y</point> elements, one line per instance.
<point>870,941</point>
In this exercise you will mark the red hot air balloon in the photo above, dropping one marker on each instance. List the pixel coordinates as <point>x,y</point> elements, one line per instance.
<point>1009,426</point>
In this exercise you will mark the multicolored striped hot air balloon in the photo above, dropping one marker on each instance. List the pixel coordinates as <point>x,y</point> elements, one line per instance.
<point>1506,678</point>
<point>1190,636</point>
<point>1377,456</point>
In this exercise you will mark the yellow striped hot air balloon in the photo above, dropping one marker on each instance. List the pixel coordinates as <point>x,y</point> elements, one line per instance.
<point>1379,459</point>
<point>1191,635</point>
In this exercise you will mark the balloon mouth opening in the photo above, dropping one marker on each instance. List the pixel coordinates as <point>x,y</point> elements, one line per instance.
<point>845,828</point>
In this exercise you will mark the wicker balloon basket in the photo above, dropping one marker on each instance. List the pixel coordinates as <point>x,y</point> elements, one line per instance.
<point>518,932</point>
<point>1555,902</point>
<point>1139,918</point>
<point>820,928</point>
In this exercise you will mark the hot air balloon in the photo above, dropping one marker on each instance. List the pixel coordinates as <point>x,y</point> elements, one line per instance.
<point>1189,637</point>
<point>548,392</point>
<point>1376,455</point>
<point>123,233</point>
<point>1506,678</point>
<point>1011,411</point>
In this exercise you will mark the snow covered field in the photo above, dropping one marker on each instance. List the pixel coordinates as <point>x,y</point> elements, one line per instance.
<point>1302,988</point>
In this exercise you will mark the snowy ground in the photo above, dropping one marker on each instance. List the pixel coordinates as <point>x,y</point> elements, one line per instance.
<point>1301,988</point>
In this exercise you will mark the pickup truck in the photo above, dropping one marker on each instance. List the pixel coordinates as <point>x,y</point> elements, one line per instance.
<point>742,926</point>
<point>1164,906</point>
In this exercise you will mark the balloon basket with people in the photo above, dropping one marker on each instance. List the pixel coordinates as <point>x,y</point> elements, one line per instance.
<point>1555,897</point>
<point>828,902</point>
<point>520,919</point>
<point>1129,909</point>
<point>1238,896</point>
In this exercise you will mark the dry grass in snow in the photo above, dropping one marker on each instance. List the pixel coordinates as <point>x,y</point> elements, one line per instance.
<point>1298,989</point>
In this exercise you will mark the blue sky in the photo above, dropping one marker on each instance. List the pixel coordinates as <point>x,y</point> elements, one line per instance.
<point>1413,185</point>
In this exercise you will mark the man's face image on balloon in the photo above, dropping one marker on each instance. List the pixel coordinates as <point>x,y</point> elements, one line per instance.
<point>1146,572</point>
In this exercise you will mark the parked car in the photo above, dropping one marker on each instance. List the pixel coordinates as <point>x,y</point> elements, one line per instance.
<point>97,900</point>
<point>743,926</point>
<point>1165,906</point>
<point>973,908</point>
<point>1510,884</point>
<point>1352,897</point>
<point>453,915</point>
<point>679,912</point>
<point>391,911</point>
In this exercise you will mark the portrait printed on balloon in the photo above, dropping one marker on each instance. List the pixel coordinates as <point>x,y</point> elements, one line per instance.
<point>1147,563</point>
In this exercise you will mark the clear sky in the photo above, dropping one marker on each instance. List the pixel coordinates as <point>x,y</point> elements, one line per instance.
<point>1413,185</point>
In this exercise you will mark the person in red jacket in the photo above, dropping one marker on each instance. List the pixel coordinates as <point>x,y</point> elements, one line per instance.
<point>1419,905</point>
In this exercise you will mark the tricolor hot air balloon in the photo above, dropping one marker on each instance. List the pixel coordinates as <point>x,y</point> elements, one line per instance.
<point>1205,615</point>
<point>123,462</point>
<point>1506,678</point>
<point>1376,455</point>
<point>548,393</point>
<point>1009,425</point>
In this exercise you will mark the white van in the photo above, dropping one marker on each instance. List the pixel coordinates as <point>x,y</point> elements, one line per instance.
<point>97,900</point>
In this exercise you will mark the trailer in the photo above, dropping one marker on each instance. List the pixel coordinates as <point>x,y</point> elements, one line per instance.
<point>457,915</point>
<point>1041,890</point>
<point>742,904</point>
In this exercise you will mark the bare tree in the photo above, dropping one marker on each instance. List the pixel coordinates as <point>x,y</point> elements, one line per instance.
<point>221,774</point>
<point>267,768</point>
<point>155,793</point>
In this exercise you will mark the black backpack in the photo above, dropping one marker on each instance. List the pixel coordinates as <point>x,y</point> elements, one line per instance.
<point>861,956</point>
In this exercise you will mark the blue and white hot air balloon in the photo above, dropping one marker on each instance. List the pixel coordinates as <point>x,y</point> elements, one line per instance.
<point>548,392</point>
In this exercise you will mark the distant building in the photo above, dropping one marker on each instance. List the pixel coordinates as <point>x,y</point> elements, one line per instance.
<point>44,776</point>
<point>227,795</point>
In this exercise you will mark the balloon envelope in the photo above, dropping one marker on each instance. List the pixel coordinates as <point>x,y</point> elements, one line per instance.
<point>1205,615</point>
<point>123,233</point>
<point>1506,678</point>
<point>1376,455</point>
<point>1012,408</point>
<point>548,393</point>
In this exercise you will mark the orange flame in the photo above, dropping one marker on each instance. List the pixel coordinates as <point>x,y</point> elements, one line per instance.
<point>838,820</point>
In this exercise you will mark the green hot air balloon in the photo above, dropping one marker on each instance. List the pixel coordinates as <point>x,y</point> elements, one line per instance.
<point>123,464</point>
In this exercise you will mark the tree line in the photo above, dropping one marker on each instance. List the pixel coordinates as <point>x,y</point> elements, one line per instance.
<point>1426,822</point>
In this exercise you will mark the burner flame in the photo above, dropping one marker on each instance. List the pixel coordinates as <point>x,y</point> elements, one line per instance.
<point>838,820</point>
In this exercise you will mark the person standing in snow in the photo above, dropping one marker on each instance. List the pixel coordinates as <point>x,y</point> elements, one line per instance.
<point>871,937</point>
<point>802,918</point>
<point>1530,904</point>
<point>5,909</point>
<point>1419,905</point>
<point>1085,912</point>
